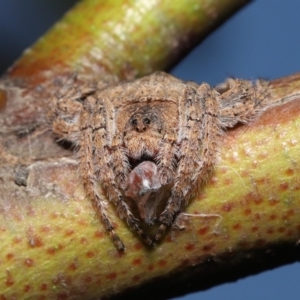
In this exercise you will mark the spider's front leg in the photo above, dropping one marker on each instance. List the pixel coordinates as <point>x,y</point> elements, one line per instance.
<point>198,138</point>
<point>92,127</point>
<point>241,100</point>
<point>70,115</point>
<point>103,159</point>
<point>167,158</point>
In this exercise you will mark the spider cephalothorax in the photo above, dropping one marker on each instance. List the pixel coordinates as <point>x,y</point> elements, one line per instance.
<point>156,135</point>
<point>143,132</point>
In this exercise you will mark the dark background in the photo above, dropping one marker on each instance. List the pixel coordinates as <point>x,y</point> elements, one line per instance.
<point>262,40</point>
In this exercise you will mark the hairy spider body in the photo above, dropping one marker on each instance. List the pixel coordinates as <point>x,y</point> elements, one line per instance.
<point>174,124</point>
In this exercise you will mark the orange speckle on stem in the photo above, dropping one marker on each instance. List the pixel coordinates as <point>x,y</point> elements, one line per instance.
<point>54,215</point>
<point>136,261</point>
<point>237,226</point>
<point>208,247</point>
<point>35,241</point>
<point>57,229</point>
<point>45,228</point>
<point>150,268</point>
<point>119,254</point>
<point>136,278</point>
<point>203,230</point>
<point>78,211</point>
<point>62,296</point>
<point>244,244</point>
<point>257,199</point>
<point>98,234</point>
<point>168,239</point>
<point>289,172</point>
<point>83,240</point>
<point>223,170</point>
<point>53,250</point>
<point>28,262</point>
<point>232,159</point>
<point>69,232</point>
<point>261,181</point>
<point>245,173</point>
<point>90,254</point>
<point>273,202</point>
<point>281,229</point>
<point>26,288</point>
<point>88,279</point>
<point>82,222</point>
<point>227,181</point>
<point>253,197</point>
<point>98,281</point>
<point>257,216</point>
<point>138,246</point>
<point>270,230</point>
<point>189,247</point>
<point>31,212</point>
<point>262,155</point>
<point>9,281</point>
<point>16,216</point>
<point>213,181</point>
<point>44,287</point>
<point>227,206</point>
<point>290,212</point>
<point>162,262</point>
<point>284,186</point>
<point>254,228</point>
<point>260,243</point>
<point>111,276</point>
<point>9,256</point>
<point>247,212</point>
<point>273,217</point>
<point>73,266</point>
<point>17,240</point>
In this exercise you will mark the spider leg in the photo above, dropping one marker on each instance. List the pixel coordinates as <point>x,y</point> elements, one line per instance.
<point>107,154</point>
<point>167,159</point>
<point>87,161</point>
<point>199,134</point>
<point>121,165</point>
<point>242,101</point>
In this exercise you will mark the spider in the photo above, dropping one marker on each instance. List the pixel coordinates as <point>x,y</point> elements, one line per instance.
<point>174,125</point>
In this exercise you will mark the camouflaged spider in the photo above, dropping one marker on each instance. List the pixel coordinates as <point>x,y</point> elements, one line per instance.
<point>175,125</point>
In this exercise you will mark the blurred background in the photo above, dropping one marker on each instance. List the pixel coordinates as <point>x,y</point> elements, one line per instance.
<point>262,40</point>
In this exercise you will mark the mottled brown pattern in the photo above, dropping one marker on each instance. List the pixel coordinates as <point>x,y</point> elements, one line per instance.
<point>158,119</point>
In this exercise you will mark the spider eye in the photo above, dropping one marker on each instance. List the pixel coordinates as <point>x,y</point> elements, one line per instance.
<point>134,122</point>
<point>146,121</point>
